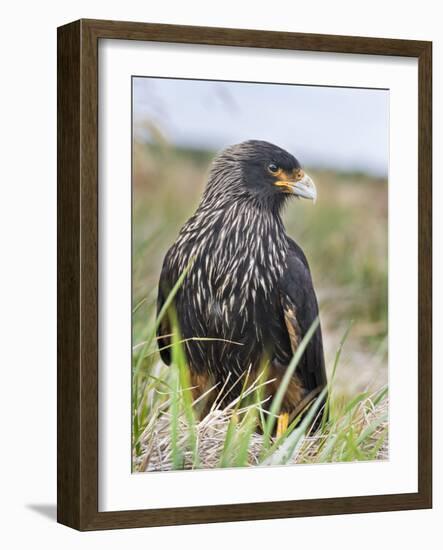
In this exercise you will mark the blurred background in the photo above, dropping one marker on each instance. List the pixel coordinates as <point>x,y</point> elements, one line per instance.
<point>340,136</point>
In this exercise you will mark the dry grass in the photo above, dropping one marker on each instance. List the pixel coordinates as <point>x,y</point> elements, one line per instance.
<point>156,453</point>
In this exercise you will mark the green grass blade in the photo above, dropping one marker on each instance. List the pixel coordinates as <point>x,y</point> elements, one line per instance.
<point>286,453</point>
<point>278,398</point>
<point>380,396</point>
<point>230,445</point>
<point>186,399</point>
<point>229,442</point>
<point>176,453</point>
<point>353,403</point>
<point>331,381</point>
<point>327,452</point>
<point>246,431</point>
<point>367,432</point>
<point>152,331</point>
<point>139,305</point>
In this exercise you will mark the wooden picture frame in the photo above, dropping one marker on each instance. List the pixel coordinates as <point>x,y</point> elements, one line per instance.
<point>77,456</point>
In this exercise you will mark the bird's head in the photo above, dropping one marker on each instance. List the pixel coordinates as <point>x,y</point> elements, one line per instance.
<point>261,171</point>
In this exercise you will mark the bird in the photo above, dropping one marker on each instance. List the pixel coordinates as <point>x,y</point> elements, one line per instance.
<point>246,295</point>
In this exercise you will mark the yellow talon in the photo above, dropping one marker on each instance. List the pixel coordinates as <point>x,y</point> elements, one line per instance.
<point>282,423</point>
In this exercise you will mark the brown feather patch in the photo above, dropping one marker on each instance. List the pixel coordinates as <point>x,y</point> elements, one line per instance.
<point>294,393</point>
<point>292,326</point>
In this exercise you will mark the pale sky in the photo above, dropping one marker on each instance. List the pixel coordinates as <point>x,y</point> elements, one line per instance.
<point>338,128</point>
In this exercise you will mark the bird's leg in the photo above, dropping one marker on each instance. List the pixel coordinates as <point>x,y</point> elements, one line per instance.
<point>282,423</point>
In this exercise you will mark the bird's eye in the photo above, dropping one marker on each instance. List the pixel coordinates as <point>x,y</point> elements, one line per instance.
<point>273,168</point>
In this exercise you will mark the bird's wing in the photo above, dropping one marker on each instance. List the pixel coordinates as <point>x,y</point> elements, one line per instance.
<point>300,310</point>
<point>164,328</point>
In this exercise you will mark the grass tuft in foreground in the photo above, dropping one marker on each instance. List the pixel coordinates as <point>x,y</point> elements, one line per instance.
<point>167,434</point>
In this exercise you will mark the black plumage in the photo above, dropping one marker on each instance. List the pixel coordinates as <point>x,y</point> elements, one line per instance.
<point>248,289</point>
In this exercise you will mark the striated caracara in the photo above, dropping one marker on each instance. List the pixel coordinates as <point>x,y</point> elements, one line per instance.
<point>249,288</point>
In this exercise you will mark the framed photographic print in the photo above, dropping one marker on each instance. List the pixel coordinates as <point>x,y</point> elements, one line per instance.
<point>244,274</point>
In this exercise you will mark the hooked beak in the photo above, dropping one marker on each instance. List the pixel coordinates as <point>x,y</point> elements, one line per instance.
<point>305,188</point>
<point>299,184</point>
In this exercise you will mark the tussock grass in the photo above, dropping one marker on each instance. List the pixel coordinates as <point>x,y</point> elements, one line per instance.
<point>167,435</point>
<point>357,430</point>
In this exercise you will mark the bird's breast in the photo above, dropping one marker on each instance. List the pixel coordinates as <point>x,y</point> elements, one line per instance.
<point>238,258</point>
<point>227,298</point>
